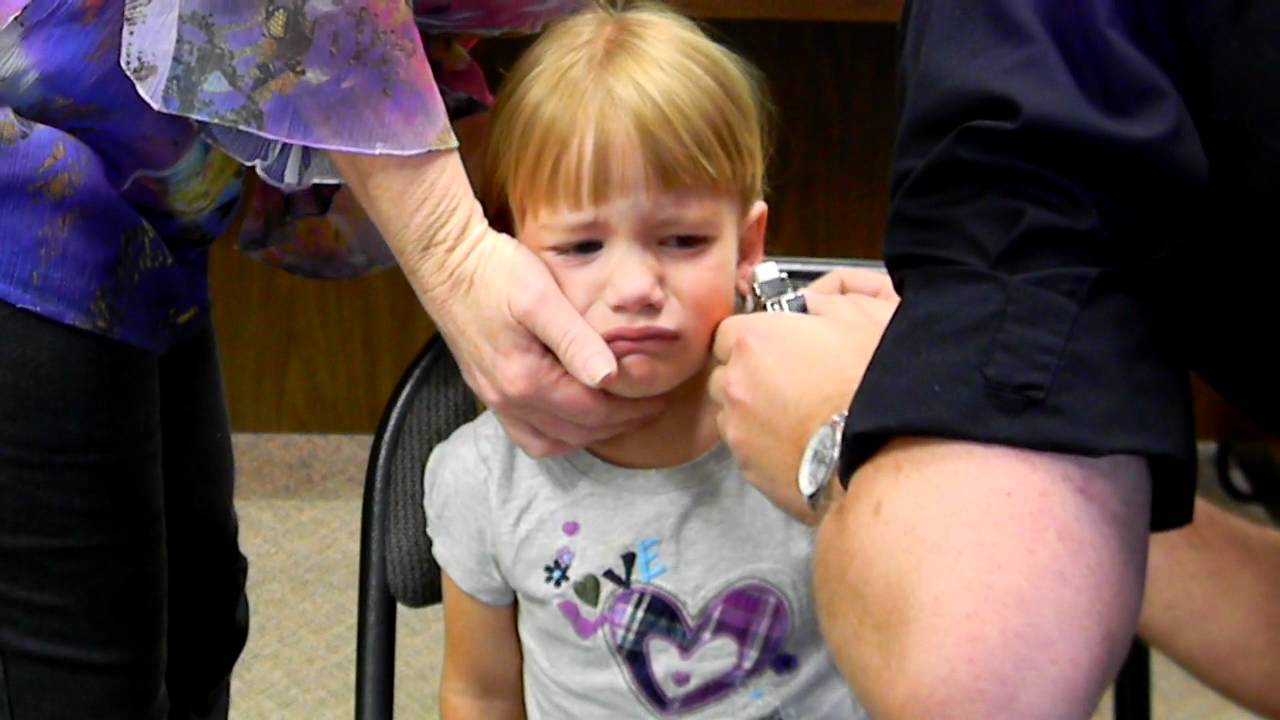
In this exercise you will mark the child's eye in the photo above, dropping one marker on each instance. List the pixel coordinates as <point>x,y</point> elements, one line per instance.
<point>581,247</point>
<point>686,242</point>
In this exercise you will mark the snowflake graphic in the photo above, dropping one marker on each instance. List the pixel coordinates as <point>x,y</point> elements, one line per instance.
<point>557,573</point>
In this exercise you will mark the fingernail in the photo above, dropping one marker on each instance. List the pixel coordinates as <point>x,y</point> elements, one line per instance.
<point>604,377</point>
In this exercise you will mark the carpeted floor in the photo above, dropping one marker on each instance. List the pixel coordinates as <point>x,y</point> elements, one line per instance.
<point>299,500</point>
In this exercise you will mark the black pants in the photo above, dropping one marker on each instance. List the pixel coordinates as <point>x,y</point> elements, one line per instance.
<point>121,580</point>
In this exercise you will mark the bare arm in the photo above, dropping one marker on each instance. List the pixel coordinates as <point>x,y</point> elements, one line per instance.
<point>1213,605</point>
<point>482,678</point>
<point>961,580</point>
<point>954,579</point>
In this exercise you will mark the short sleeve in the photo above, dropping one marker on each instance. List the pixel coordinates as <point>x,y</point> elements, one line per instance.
<point>456,496</point>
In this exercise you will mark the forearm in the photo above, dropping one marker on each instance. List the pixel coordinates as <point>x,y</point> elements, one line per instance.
<point>970,581</point>
<point>425,209</point>
<point>1211,605</point>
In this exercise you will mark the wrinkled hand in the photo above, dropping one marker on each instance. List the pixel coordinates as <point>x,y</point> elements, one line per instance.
<point>499,320</point>
<point>529,356</point>
<point>782,375</point>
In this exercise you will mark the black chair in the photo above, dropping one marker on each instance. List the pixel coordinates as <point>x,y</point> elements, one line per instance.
<point>1249,473</point>
<point>1131,699</point>
<point>396,565</point>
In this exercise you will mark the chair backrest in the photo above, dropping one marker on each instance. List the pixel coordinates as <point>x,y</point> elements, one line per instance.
<point>431,402</point>
<point>804,270</point>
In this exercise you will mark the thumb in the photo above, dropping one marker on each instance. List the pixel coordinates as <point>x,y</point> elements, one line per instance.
<point>560,327</point>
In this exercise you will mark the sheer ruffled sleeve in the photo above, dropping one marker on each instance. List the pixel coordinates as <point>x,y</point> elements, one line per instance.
<point>275,83</point>
<point>9,9</point>
<point>276,80</point>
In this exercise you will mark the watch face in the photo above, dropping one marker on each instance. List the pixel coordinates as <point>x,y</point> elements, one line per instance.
<point>819,460</point>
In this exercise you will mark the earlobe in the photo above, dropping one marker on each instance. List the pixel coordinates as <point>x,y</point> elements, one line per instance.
<point>751,243</point>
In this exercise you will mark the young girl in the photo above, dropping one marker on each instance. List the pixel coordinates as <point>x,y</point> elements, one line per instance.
<point>643,577</point>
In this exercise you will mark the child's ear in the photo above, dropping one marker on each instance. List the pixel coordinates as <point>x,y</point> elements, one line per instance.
<point>751,244</point>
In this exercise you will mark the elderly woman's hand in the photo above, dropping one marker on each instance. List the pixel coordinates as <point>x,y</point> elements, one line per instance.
<point>526,352</point>
<point>781,375</point>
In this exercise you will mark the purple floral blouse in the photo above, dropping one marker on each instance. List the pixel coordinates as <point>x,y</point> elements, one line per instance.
<point>126,127</point>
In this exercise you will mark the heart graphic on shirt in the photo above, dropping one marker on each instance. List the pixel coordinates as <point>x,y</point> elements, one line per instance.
<point>678,665</point>
<point>675,670</point>
<point>588,590</point>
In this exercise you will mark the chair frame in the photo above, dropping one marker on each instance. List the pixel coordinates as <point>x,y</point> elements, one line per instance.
<point>376,612</point>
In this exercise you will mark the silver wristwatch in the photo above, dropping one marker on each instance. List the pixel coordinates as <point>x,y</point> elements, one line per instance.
<point>821,455</point>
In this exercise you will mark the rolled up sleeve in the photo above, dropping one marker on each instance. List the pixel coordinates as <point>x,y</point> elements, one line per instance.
<point>1045,164</point>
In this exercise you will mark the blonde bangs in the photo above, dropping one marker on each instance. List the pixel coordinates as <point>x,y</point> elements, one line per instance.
<point>611,102</point>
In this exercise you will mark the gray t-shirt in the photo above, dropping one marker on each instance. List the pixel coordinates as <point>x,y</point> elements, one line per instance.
<point>679,592</point>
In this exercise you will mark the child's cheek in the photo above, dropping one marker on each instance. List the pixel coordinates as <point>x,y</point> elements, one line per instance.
<point>577,288</point>
<point>714,305</point>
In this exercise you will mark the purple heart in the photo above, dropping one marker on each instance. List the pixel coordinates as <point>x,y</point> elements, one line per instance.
<point>753,615</point>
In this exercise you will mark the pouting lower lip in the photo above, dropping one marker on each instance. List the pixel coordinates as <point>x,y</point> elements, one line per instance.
<point>622,348</point>
<point>640,334</point>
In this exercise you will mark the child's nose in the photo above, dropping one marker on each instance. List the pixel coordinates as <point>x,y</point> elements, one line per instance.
<point>635,283</point>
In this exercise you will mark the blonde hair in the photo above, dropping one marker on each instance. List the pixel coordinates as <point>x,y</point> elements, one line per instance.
<point>611,81</point>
